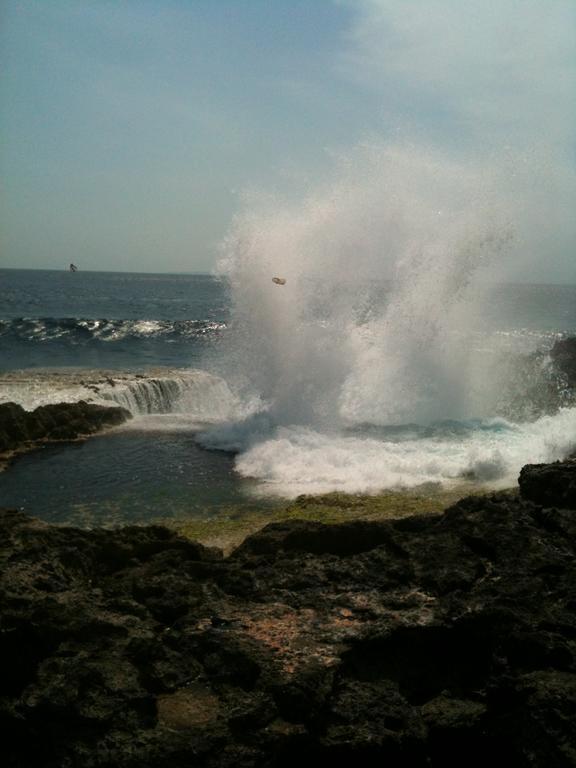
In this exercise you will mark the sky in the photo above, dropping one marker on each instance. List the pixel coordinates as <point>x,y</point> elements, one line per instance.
<point>131,129</point>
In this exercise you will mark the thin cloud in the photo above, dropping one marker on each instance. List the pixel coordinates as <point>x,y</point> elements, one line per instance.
<point>505,70</point>
<point>491,80</point>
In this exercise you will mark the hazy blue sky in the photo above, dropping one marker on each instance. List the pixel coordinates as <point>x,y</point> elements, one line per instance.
<point>130,127</point>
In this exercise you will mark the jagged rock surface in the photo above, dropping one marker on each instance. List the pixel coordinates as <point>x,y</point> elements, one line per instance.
<point>22,430</point>
<point>552,485</point>
<point>564,355</point>
<point>427,641</point>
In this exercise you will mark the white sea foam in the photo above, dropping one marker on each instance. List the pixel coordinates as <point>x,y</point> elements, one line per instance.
<point>298,460</point>
<point>78,331</point>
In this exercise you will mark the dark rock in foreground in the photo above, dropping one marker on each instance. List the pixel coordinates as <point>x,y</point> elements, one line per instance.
<point>427,641</point>
<point>551,485</point>
<point>22,430</point>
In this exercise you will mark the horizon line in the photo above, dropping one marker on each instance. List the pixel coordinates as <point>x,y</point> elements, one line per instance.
<point>212,274</point>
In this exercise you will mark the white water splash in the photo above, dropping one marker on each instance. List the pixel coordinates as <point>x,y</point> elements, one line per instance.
<point>298,460</point>
<point>335,344</point>
<point>373,327</point>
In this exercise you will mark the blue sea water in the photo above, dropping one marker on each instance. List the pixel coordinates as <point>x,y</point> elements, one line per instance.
<point>107,319</point>
<point>114,321</point>
<point>139,324</point>
<point>135,321</point>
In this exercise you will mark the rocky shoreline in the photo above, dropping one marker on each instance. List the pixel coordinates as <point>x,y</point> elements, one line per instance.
<point>22,431</point>
<point>423,641</point>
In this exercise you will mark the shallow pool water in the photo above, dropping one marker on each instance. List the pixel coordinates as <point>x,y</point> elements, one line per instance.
<point>124,476</point>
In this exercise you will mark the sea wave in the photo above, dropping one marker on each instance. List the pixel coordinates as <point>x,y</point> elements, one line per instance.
<point>295,460</point>
<point>79,331</point>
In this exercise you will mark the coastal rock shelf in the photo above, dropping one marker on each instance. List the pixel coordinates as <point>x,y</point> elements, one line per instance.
<point>160,390</point>
<point>427,641</point>
<point>22,430</point>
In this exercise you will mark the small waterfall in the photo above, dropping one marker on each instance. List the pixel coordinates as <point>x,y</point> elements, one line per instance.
<point>146,395</point>
<point>196,393</point>
<point>192,393</point>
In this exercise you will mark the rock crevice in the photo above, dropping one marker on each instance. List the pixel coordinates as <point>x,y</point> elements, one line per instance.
<point>428,641</point>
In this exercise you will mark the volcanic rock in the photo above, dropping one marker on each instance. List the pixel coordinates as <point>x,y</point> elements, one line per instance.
<point>426,641</point>
<point>22,430</point>
<point>563,353</point>
<point>552,485</point>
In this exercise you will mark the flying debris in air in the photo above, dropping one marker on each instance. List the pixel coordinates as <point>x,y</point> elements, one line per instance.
<point>73,268</point>
<point>279,280</point>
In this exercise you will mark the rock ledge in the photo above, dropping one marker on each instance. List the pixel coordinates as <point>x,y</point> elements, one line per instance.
<point>22,431</point>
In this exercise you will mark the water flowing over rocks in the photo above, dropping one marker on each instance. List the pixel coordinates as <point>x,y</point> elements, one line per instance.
<point>426,641</point>
<point>158,391</point>
<point>22,430</point>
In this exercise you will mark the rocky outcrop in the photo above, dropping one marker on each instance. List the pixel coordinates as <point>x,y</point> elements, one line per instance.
<point>427,641</point>
<point>563,353</point>
<point>551,485</point>
<point>22,430</point>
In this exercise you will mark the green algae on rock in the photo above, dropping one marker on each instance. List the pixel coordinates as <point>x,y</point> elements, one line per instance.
<point>234,523</point>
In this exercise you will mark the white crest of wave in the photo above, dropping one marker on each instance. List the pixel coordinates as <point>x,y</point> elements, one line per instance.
<point>299,460</point>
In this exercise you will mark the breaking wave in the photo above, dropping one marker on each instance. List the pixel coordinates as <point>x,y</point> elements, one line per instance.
<point>296,460</point>
<point>82,331</point>
<point>104,343</point>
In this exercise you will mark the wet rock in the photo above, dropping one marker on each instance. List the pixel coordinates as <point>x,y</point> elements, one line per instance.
<point>427,641</point>
<point>563,353</point>
<point>22,430</point>
<point>551,485</point>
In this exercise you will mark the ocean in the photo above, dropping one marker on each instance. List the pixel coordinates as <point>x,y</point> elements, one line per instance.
<point>107,320</point>
<point>245,392</point>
